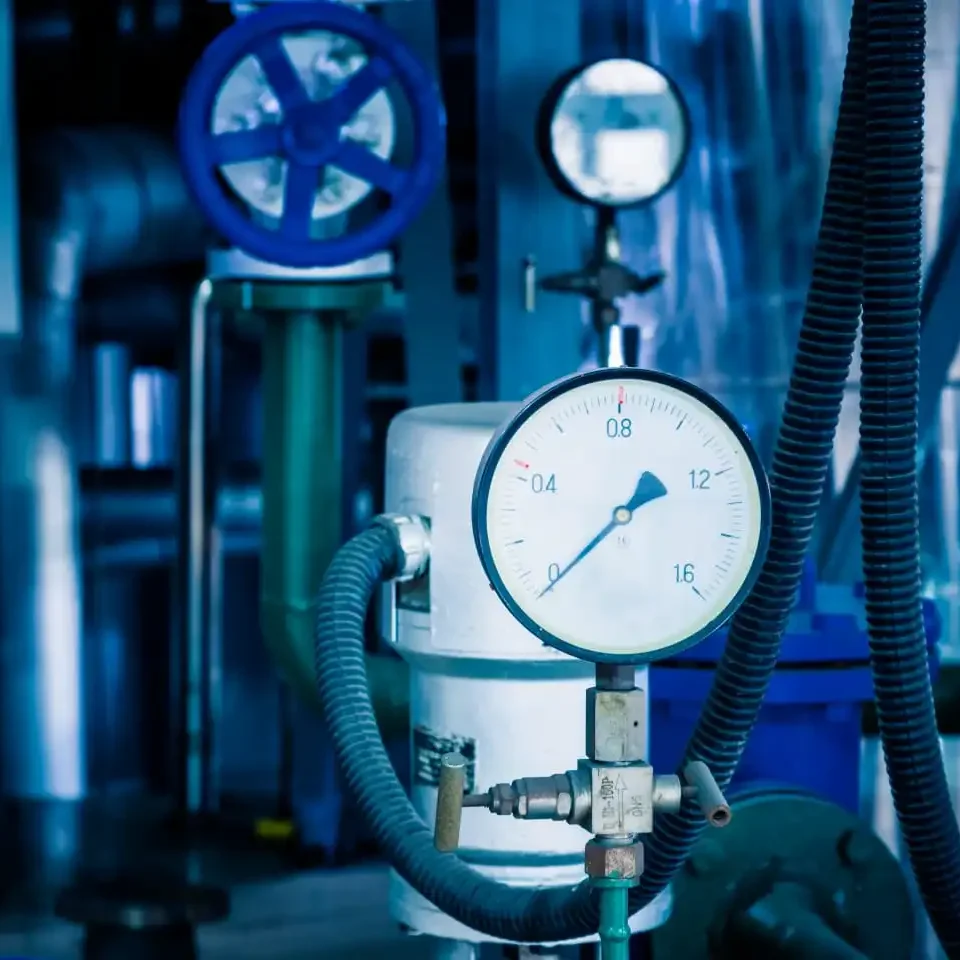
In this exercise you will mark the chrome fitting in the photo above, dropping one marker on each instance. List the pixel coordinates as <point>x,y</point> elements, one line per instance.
<point>564,796</point>
<point>667,793</point>
<point>412,536</point>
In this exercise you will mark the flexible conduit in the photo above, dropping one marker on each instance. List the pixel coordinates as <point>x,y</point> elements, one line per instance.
<point>889,513</point>
<point>798,474</point>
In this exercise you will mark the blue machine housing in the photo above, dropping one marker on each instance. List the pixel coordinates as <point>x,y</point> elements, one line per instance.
<point>809,729</point>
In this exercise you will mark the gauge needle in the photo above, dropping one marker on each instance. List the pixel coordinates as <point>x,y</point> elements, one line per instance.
<point>649,487</point>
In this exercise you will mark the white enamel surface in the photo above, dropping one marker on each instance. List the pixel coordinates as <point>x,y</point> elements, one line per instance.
<point>477,674</point>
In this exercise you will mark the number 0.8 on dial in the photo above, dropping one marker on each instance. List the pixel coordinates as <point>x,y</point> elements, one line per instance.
<point>621,515</point>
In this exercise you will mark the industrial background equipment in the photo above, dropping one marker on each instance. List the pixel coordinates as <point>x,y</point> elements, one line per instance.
<point>272,271</point>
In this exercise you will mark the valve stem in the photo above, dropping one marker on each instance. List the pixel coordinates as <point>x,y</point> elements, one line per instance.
<point>477,800</point>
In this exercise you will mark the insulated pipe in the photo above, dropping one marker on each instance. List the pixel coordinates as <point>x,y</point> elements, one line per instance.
<point>92,201</point>
<point>95,201</point>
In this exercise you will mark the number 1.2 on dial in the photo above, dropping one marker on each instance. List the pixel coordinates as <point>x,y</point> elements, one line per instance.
<point>621,515</point>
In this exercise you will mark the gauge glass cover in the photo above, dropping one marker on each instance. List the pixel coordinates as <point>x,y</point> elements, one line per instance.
<point>618,133</point>
<point>621,515</point>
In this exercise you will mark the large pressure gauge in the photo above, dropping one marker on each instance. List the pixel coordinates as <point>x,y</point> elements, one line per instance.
<point>622,515</point>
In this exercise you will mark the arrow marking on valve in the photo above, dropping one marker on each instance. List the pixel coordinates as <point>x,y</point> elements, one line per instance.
<point>621,789</point>
<point>284,80</point>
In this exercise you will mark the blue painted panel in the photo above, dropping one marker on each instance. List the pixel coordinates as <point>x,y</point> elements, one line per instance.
<point>521,49</point>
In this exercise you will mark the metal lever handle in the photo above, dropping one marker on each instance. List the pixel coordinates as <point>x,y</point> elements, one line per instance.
<point>530,284</point>
<point>450,787</point>
<point>708,794</point>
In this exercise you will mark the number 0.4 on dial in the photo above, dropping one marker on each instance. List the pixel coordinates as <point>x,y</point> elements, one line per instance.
<point>621,515</point>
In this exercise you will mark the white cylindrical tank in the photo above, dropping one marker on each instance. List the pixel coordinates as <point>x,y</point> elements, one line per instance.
<point>480,683</point>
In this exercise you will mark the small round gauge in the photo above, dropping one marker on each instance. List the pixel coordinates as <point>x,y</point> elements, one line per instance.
<point>622,515</point>
<point>615,133</point>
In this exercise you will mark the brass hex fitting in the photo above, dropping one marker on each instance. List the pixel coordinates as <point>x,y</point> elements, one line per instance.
<point>613,861</point>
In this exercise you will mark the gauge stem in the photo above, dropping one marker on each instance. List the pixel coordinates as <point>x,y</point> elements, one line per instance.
<point>616,676</point>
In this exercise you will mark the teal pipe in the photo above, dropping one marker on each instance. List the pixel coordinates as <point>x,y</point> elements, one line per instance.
<point>614,917</point>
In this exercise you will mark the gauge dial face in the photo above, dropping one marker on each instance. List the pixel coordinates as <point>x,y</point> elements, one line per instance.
<point>621,515</point>
<point>615,132</point>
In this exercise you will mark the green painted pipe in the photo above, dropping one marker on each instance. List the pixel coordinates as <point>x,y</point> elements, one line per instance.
<point>302,500</point>
<point>614,918</point>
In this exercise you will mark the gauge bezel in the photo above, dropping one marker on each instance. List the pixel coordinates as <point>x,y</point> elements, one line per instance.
<point>493,454</point>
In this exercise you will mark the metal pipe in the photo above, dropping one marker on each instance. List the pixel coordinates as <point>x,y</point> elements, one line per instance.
<point>139,528</point>
<point>41,683</point>
<point>103,385</point>
<point>196,652</point>
<point>112,515</point>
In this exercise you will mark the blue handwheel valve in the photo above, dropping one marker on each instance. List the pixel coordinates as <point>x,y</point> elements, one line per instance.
<point>271,144</point>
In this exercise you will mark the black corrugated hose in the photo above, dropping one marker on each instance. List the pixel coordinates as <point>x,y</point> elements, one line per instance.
<point>797,477</point>
<point>798,474</point>
<point>889,513</point>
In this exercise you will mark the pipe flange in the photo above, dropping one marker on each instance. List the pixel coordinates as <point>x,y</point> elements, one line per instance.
<point>782,836</point>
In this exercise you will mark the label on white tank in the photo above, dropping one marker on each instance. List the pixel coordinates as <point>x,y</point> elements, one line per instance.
<point>429,747</point>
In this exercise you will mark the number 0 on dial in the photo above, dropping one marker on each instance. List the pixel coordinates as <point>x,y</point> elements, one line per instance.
<point>622,515</point>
